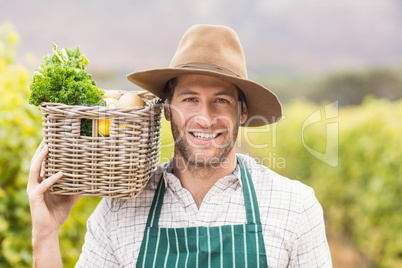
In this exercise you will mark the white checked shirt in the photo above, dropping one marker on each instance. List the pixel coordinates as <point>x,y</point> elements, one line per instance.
<point>291,218</point>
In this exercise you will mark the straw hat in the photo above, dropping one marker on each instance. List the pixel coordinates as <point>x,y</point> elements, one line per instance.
<point>214,50</point>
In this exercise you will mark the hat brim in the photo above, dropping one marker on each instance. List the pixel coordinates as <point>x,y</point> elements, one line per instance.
<point>263,105</point>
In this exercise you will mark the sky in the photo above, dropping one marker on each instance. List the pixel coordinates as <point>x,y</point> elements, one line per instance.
<point>278,36</point>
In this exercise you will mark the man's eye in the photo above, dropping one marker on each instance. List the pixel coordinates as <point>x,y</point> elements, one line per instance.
<point>222,100</point>
<point>190,99</point>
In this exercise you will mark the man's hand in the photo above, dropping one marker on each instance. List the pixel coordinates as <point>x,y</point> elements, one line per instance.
<point>48,212</point>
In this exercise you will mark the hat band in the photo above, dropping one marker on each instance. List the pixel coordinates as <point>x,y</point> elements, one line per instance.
<point>207,66</point>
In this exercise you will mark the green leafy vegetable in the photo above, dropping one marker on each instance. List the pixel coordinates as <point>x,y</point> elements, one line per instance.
<point>61,78</point>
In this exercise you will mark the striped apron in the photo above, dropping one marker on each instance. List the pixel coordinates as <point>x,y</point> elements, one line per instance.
<point>198,247</point>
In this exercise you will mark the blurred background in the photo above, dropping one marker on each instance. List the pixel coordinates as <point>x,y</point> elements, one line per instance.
<point>317,56</point>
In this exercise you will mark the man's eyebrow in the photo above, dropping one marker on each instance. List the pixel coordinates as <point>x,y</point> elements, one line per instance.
<point>219,93</point>
<point>224,93</point>
<point>188,92</point>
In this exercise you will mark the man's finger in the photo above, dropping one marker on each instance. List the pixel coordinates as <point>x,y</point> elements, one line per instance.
<point>40,147</point>
<point>45,184</point>
<point>36,165</point>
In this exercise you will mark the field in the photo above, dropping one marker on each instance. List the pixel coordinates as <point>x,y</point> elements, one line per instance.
<point>350,155</point>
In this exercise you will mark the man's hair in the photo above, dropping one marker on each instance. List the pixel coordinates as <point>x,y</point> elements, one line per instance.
<point>171,85</point>
<point>169,89</point>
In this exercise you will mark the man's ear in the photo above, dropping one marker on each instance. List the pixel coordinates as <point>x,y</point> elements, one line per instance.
<point>166,110</point>
<point>244,114</point>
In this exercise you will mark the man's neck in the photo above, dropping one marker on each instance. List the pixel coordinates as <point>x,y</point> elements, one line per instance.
<point>199,179</point>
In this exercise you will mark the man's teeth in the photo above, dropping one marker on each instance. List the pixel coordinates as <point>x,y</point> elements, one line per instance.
<point>204,136</point>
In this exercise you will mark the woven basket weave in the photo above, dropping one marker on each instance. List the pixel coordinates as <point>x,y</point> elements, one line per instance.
<point>116,166</point>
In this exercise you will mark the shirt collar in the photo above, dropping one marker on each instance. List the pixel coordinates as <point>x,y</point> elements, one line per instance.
<point>171,179</point>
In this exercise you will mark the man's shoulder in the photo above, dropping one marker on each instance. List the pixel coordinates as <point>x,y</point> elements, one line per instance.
<point>144,198</point>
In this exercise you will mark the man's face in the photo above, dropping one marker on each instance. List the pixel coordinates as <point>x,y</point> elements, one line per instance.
<point>204,115</point>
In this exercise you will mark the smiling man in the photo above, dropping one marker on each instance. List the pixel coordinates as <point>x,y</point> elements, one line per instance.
<point>205,122</point>
<point>207,207</point>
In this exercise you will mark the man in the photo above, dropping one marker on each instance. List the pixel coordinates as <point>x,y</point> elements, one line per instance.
<point>207,207</point>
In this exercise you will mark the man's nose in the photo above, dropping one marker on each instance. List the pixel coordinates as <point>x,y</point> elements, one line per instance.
<point>206,116</point>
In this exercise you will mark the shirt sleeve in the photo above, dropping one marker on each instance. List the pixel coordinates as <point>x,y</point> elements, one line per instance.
<point>97,250</point>
<point>311,247</point>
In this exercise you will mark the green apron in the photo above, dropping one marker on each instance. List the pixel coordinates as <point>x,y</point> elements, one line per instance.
<point>198,247</point>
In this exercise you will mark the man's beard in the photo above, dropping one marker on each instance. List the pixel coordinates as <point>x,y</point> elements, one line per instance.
<point>191,159</point>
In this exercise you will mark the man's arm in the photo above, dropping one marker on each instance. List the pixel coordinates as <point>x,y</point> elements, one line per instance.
<point>46,250</point>
<point>311,249</point>
<point>48,213</point>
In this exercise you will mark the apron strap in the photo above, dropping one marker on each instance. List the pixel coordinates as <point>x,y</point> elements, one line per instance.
<point>250,199</point>
<point>155,211</point>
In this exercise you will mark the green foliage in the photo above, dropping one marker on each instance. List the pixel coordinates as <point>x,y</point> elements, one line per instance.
<point>66,57</point>
<point>167,142</point>
<point>20,133</point>
<point>370,167</point>
<point>62,78</point>
<point>346,87</point>
<point>362,195</point>
<point>350,88</point>
<point>64,85</point>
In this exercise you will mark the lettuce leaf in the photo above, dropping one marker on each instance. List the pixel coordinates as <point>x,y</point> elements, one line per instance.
<point>62,78</point>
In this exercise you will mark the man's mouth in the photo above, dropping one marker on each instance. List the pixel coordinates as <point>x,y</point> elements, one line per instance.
<point>205,136</point>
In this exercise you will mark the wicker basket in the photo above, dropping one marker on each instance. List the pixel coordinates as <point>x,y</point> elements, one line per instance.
<point>116,166</point>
